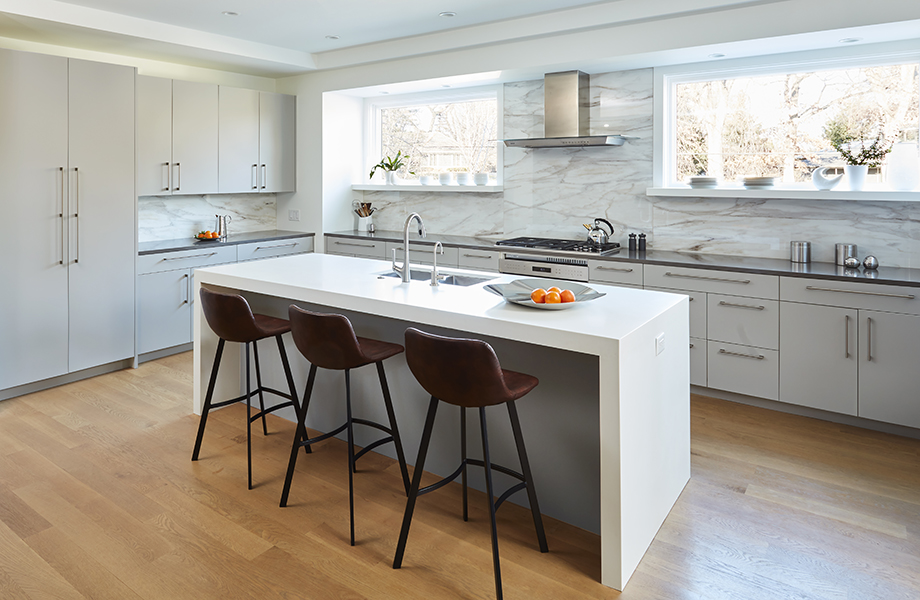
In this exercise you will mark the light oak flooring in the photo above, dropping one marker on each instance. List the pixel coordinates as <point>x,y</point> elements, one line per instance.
<point>98,499</point>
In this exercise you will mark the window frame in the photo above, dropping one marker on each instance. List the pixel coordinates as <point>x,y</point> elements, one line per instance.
<point>372,119</point>
<point>666,80</point>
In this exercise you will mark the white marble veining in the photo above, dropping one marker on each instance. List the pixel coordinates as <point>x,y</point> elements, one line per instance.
<point>550,192</point>
<point>174,217</point>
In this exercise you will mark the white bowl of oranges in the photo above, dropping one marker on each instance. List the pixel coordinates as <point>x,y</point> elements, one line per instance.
<point>207,236</point>
<point>546,294</point>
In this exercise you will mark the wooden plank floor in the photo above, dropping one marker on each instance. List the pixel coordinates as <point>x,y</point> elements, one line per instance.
<point>98,499</point>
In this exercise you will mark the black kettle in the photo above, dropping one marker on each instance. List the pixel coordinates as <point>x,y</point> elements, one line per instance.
<point>597,234</point>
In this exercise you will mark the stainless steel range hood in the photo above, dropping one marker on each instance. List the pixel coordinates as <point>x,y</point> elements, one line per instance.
<point>566,107</point>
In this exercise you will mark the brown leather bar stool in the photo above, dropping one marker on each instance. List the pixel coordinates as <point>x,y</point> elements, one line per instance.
<point>329,341</point>
<point>466,373</point>
<point>230,317</point>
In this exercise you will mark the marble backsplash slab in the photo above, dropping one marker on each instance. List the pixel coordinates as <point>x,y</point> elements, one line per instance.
<point>174,217</point>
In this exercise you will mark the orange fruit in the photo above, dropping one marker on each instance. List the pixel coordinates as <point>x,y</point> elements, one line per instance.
<point>212,235</point>
<point>554,289</point>
<point>567,296</point>
<point>538,295</point>
<point>552,298</point>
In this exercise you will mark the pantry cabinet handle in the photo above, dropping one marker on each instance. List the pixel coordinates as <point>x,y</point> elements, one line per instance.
<point>738,354</point>
<point>353,244</point>
<point>601,268</point>
<point>821,289</point>
<point>189,256</point>
<point>187,293</point>
<point>750,306</point>
<point>869,339</point>
<point>846,336</point>
<point>254,177</point>
<point>476,256</point>
<point>278,246</point>
<point>165,179</point>
<point>264,176</point>
<point>61,214</point>
<point>76,212</point>
<point>680,276</point>
<point>178,177</point>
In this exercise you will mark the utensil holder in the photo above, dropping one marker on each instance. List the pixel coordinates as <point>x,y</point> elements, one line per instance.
<point>366,224</point>
<point>800,252</point>
<point>843,252</point>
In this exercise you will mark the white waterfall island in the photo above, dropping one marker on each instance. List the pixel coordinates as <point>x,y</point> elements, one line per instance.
<point>607,429</point>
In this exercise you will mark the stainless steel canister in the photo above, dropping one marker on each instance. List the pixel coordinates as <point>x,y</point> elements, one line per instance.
<point>843,252</point>
<point>800,252</point>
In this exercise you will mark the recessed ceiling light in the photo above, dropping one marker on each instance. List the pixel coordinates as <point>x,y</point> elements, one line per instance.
<point>850,40</point>
<point>716,55</point>
<point>384,93</point>
<point>332,37</point>
<point>447,86</point>
<point>230,13</point>
<point>448,13</point>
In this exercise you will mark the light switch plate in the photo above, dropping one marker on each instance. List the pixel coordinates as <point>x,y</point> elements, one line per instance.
<point>294,214</point>
<point>659,344</point>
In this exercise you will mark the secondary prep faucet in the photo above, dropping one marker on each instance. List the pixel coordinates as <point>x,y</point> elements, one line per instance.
<point>404,270</point>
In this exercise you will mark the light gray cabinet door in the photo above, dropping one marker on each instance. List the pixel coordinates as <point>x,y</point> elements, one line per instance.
<point>154,135</point>
<point>102,209</point>
<point>239,140</point>
<point>194,138</point>
<point>33,160</point>
<point>277,135</point>
<point>889,380</point>
<point>818,357</point>
<point>163,310</point>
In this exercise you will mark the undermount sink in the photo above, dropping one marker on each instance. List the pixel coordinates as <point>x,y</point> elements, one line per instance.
<point>444,278</point>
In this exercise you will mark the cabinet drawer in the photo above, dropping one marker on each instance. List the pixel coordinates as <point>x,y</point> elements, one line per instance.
<point>852,294</point>
<point>422,254</point>
<point>615,272</point>
<point>697,361</point>
<point>482,260</point>
<point>743,370</point>
<point>747,321</point>
<point>205,256</point>
<point>360,248</point>
<point>697,310</point>
<point>719,282</point>
<point>257,250</point>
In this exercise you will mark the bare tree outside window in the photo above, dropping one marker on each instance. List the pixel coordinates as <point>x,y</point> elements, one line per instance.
<point>455,136</point>
<point>774,125</point>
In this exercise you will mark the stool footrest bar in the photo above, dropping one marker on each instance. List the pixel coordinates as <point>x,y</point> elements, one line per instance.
<point>439,484</point>
<point>478,463</point>
<point>324,436</point>
<point>382,428</point>
<point>373,445</point>
<point>508,493</point>
<point>269,410</point>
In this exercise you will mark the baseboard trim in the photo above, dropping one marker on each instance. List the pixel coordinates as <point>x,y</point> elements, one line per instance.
<point>45,384</point>
<point>148,356</point>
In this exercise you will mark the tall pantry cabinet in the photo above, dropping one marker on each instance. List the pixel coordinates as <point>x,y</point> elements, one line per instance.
<point>67,236</point>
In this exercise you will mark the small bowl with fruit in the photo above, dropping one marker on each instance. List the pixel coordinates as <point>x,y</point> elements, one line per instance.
<point>546,294</point>
<point>207,236</point>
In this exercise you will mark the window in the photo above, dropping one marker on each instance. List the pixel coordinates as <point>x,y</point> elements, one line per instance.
<point>779,120</point>
<point>455,132</point>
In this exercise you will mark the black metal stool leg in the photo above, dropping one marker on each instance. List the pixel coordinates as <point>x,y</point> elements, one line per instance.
<point>290,380</point>
<point>486,459</point>
<point>351,455</point>
<point>528,477</point>
<point>300,434</point>
<point>466,516</point>
<point>255,351</point>
<point>416,482</point>
<point>248,419</point>
<point>207,399</point>
<point>391,414</point>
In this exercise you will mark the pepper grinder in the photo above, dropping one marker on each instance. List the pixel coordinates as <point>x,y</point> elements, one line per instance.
<point>632,242</point>
<point>642,242</point>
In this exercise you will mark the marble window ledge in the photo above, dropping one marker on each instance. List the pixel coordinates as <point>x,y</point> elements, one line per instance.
<point>780,193</point>
<point>488,189</point>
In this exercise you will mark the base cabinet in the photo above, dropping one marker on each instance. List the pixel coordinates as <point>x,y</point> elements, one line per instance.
<point>889,380</point>
<point>164,310</point>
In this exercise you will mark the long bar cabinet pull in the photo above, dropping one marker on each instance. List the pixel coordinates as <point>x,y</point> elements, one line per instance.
<point>254,177</point>
<point>750,306</point>
<point>603,268</point>
<point>166,178</point>
<point>358,245</point>
<point>178,177</point>
<point>76,212</point>
<point>189,256</point>
<point>187,293</point>
<point>61,214</point>
<point>275,246</point>
<point>465,255</point>
<point>738,354</point>
<point>722,279</point>
<point>846,336</point>
<point>821,289</point>
<point>869,339</point>
<point>264,176</point>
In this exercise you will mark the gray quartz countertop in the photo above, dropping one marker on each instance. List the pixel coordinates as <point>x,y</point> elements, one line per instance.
<point>232,240</point>
<point>715,262</point>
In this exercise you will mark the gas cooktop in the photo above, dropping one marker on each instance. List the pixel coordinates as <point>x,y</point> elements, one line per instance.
<point>577,246</point>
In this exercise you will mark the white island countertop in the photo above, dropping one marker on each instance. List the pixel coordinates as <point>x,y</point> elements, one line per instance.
<point>643,385</point>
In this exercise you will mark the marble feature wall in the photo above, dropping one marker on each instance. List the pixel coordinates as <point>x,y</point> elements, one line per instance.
<point>550,192</point>
<point>174,217</point>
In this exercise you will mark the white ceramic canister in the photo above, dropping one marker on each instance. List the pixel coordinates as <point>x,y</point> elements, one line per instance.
<point>464,178</point>
<point>481,179</point>
<point>903,169</point>
<point>446,178</point>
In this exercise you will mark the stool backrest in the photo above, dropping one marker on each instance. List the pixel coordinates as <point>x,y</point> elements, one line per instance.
<point>459,371</point>
<point>326,340</point>
<point>229,316</point>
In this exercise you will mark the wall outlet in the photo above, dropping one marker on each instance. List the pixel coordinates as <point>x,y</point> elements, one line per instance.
<point>294,215</point>
<point>659,344</point>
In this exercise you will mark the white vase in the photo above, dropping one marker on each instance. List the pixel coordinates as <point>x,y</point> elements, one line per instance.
<point>481,179</point>
<point>903,169</point>
<point>446,178</point>
<point>464,178</point>
<point>391,178</point>
<point>856,176</point>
